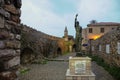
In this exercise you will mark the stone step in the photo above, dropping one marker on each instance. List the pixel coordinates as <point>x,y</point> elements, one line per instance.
<point>59,60</point>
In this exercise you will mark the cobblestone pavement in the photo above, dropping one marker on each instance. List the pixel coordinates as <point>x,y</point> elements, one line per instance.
<point>56,70</point>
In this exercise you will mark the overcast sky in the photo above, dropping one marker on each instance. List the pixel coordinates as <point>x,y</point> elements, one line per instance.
<point>51,16</point>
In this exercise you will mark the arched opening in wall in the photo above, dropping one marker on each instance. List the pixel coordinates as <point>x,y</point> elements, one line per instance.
<point>26,55</point>
<point>59,51</point>
<point>74,46</point>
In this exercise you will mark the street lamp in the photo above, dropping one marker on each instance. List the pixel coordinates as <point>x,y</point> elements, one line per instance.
<point>90,44</point>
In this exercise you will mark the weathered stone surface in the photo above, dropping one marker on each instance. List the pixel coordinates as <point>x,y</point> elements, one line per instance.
<point>7,15</point>
<point>11,8</point>
<point>13,62</point>
<point>5,53</point>
<point>3,35</point>
<point>17,3</point>
<point>4,13</point>
<point>15,18</point>
<point>13,44</point>
<point>18,37</point>
<point>111,39</point>
<point>15,30</point>
<point>1,3</point>
<point>9,44</point>
<point>8,2</point>
<point>2,45</point>
<point>80,63</point>
<point>8,75</point>
<point>11,23</point>
<point>1,22</point>
<point>2,68</point>
<point>18,52</point>
<point>11,36</point>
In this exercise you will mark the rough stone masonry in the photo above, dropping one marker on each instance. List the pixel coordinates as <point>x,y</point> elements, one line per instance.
<point>9,38</point>
<point>108,47</point>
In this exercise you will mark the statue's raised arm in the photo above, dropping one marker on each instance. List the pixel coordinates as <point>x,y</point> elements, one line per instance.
<point>76,19</point>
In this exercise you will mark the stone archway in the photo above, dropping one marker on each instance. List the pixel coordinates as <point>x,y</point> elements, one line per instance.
<point>27,55</point>
<point>59,51</point>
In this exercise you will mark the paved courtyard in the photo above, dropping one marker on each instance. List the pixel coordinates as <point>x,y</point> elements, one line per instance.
<point>56,70</point>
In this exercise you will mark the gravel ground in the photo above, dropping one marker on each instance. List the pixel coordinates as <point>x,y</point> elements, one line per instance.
<point>56,70</point>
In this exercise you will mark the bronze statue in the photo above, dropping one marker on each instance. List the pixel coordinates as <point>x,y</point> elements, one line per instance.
<point>78,38</point>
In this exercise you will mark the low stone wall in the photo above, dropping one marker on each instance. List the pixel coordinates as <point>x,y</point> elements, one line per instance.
<point>9,38</point>
<point>108,47</point>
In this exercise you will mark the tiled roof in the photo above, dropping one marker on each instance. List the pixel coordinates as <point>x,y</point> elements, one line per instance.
<point>104,24</point>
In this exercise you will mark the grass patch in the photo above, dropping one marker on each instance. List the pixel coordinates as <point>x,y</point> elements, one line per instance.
<point>45,61</point>
<point>24,71</point>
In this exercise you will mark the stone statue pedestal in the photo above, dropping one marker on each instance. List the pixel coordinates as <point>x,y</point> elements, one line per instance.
<point>80,69</point>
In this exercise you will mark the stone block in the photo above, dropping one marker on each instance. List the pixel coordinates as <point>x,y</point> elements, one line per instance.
<point>13,44</point>
<point>15,30</point>
<point>7,15</point>
<point>18,52</point>
<point>1,3</point>
<point>1,22</point>
<point>80,65</point>
<point>13,62</point>
<point>18,37</point>
<point>2,45</point>
<point>7,26</point>
<point>3,35</point>
<point>15,18</point>
<point>11,8</point>
<point>8,75</point>
<point>4,53</point>
<point>2,11</point>
<point>11,36</point>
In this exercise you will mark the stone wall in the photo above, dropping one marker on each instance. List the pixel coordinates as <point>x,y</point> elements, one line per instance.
<point>9,38</point>
<point>108,47</point>
<point>40,44</point>
<point>20,43</point>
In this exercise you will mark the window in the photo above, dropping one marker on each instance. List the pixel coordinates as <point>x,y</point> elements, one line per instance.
<point>118,47</point>
<point>107,48</point>
<point>102,30</point>
<point>99,47</point>
<point>90,30</point>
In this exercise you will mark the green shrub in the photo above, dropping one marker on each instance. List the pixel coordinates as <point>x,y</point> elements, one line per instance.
<point>24,71</point>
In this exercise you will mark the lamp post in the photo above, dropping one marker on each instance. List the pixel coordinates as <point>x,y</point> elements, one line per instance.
<point>90,45</point>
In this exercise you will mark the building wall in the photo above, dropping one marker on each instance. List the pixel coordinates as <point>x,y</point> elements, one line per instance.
<point>96,33</point>
<point>108,47</point>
